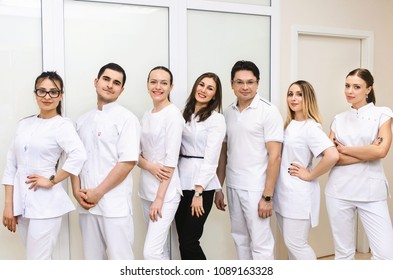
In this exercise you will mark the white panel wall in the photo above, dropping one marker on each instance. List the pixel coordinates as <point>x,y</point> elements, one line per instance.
<point>20,60</point>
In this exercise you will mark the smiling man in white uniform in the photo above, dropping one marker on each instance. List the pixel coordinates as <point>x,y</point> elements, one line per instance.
<point>250,161</point>
<point>111,136</point>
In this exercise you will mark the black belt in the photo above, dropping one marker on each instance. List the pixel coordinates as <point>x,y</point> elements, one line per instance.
<point>190,156</point>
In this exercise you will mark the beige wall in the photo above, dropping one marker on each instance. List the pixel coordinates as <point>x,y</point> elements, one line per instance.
<point>366,15</point>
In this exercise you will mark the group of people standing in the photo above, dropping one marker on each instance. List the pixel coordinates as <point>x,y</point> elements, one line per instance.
<point>185,157</point>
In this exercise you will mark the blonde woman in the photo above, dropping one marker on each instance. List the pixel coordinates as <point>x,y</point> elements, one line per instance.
<point>297,193</point>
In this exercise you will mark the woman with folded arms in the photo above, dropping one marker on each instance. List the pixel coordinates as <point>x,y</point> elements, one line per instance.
<point>357,184</point>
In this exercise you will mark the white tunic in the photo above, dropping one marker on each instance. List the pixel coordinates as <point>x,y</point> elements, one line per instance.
<point>36,149</point>
<point>160,143</point>
<point>293,197</point>
<point>110,136</point>
<point>247,134</point>
<point>364,181</point>
<point>203,139</point>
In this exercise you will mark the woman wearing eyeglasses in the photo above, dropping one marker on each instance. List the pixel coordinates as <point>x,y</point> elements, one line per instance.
<point>160,188</point>
<point>35,202</point>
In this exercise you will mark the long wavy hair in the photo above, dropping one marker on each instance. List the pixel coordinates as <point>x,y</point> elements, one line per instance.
<point>215,104</point>
<point>309,103</point>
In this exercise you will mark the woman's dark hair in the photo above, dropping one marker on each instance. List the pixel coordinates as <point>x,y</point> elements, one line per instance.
<point>166,70</point>
<point>56,79</point>
<point>214,104</point>
<point>366,76</point>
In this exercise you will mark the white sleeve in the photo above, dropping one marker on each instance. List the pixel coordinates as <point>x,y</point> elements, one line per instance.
<point>274,126</point>
<point>317,140</point>
<point>11,167</point>
<point>333,125</point>
<point>215,135</point>
<point>68,139</point>
<point>173,135</point>
<point>128,145</point>
<point>386,115</point>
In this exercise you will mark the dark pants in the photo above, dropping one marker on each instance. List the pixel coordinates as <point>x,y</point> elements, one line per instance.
<point>190,228</point>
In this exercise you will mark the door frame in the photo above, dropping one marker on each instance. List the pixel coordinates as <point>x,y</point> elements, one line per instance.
<point>366,61</point>
<point>366,37</point>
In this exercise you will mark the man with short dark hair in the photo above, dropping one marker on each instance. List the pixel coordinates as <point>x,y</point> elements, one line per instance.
<point>250,162</point>
<point>103,190</point>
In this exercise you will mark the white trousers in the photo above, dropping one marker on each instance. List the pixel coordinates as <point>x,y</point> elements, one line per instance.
<point>252,235</point>
<point>39,236</point>
<point>295,233</point>
<point>157,242</point>
<point>376,222</point>
<point>107,238</point>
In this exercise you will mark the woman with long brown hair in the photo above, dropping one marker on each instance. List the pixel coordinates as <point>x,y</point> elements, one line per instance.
<point>200,150</point>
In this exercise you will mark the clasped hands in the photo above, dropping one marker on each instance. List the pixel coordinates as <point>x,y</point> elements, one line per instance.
<point>88,198</point>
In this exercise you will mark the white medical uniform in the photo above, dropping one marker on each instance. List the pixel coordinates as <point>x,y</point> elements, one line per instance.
<point>360,187</point>
<point>203,139</point>
<point>247,158</point>
<point>160,144</point>
<point>36,149</point>
<point>200,151</point>
<point>294,198</point>
<point>110,136</point>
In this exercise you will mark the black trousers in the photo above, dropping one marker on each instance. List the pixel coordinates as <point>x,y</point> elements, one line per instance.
<point>190,228</point>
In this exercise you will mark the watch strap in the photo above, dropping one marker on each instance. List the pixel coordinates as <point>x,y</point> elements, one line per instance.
<point>52,179</point>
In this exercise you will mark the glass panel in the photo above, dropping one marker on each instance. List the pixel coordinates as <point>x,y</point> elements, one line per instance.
<point>20,58</point>
<point>217,40</point>
<point>135,37</point>
<point>253,2</point>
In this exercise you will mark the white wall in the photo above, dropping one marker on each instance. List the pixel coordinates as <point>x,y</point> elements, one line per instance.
<point>140,35</point>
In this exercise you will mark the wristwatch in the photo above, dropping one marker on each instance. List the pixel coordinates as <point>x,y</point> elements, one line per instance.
<point>52,179</point>
<point>267,198</point>
<point>197,194</point>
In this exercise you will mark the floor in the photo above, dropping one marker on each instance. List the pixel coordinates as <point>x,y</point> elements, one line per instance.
<point>358,256</point>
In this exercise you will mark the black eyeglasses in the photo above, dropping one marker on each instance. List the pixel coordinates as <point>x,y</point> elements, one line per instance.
<point>53,93</point>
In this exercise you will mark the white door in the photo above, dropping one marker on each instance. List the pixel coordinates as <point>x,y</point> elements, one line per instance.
<point>324,62</point>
